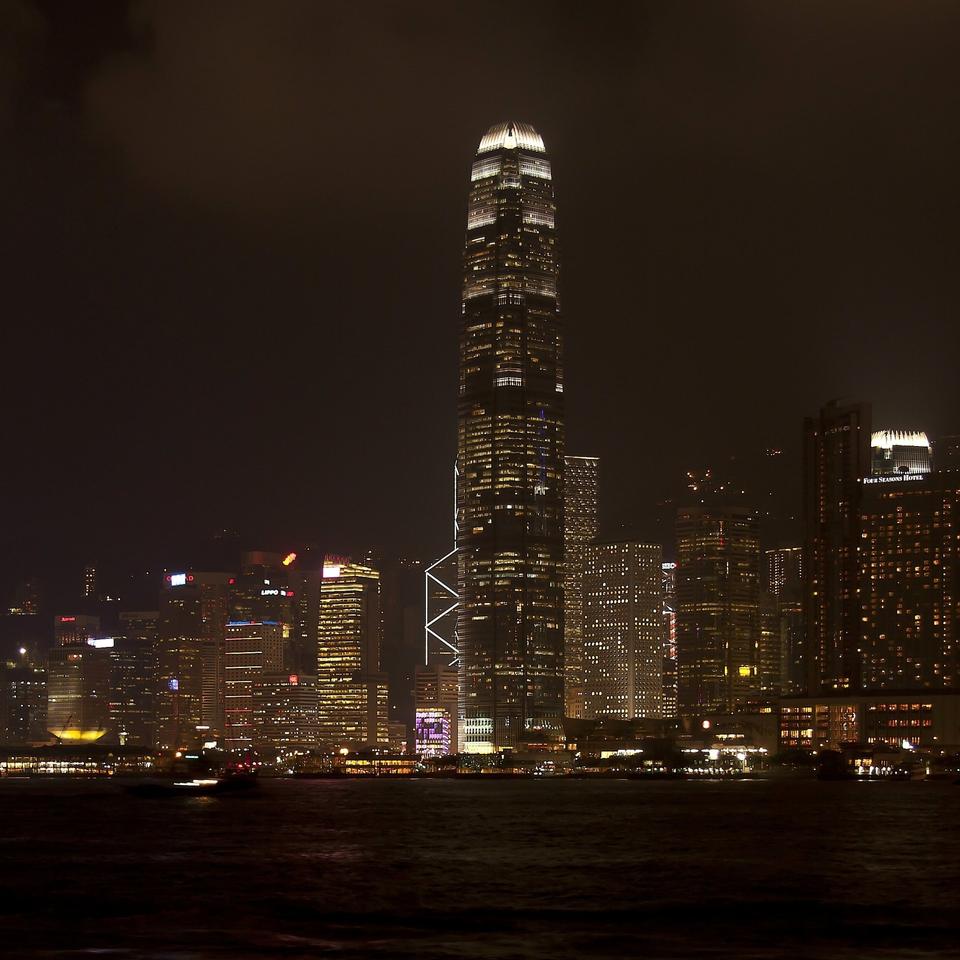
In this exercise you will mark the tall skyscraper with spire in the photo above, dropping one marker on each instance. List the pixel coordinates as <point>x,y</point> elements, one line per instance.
<point>510,448</point>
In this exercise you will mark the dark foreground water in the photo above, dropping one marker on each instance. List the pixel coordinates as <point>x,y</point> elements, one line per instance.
<point>533,869</point>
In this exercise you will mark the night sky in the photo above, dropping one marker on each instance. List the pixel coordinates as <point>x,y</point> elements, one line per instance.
<point>234,230</point>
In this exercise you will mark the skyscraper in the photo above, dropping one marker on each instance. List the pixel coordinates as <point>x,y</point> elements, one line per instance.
<point>718,615</point>
<point>910,582</point>
<point>581,524</point>
<point>352,708</point>
<point>436,699</point>
<point>622,630</point>
<point>252,651</point>
<point>784,583</point>
<point>510,448</point>
<point>192,627</point>
<point>836,458</point>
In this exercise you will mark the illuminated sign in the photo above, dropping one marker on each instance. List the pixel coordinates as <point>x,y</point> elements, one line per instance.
<point>896,478</point>
<point>289,558</point>
<point>293,679</point>
<point>276,592</point>
<point>173,684</point>
<point>177,579</point>
<point>68,619</point>
<point>433,732</point>
<point>331,570</point>
<point>101,643</point>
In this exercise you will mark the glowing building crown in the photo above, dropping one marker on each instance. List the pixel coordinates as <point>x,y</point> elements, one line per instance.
<point>888,439</point>
<point>509,136</point>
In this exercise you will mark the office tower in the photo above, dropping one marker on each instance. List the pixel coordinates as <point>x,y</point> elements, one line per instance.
<point>784,582</point>
<point>75,629</point>
<point>896,452</point>
<point>88,587</point>
<point>441,600</point>
<point>436,700</point>
<point>133,679</point>
<point>836,458</point>
<point>285,713</point>
<point>78,691</point>
<point>352,706</point>
<point>581,525</point>
<point>401,639</point>
<point>252,650</point>
<point>769,648</point>
<point>718,616</point>
<point>622,630</point>
<point>669,587</point>
<point>23,704</point>
<point>946,453</point>
<point>397,737</point>
<point>306,595</point>
<point>910,582</point>
<point>193,617</point>
<point>510,448</point>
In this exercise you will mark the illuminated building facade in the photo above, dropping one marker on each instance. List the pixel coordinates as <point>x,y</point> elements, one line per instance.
<point>435,700</point>
<point>669,582</point>
<point>910,583</point>
<point>581,525</point>
<point>622,630</point>
<point>352,705</point>
<point>78,692</point>
<point>510,448</point>
<point>285,713</point>
<point>252,650</point>
<point>75,629</point>
<point>23,704</point>
<point>836,458</point>
<point>133,683</point>
<point>895,452</point>
<point>784,582</point>
<point>925,720</point>
<point>193,612</point>
<point>718,613</point>
<point>441,600</point>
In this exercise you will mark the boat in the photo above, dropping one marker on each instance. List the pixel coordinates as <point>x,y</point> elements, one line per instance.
<point>197,775</point>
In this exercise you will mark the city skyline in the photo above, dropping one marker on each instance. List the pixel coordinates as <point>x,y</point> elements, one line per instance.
<point>126,398</point>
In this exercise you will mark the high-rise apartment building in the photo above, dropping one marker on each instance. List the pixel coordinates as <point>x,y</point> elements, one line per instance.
<point>910,582</point>
<point>352,706</point>
<point>510,448</point>
<point>896,452</point>
<point>836,459</point>
<point>581,525</point>
<point>718,615</point>
<point>622,630</point>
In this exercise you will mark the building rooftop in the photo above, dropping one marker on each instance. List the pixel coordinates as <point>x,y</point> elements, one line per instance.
<point>509,136</point>
<point>887,439</point>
